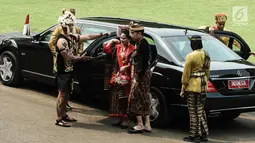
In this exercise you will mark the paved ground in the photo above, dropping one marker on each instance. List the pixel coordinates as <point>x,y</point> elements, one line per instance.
<point>27,115</point>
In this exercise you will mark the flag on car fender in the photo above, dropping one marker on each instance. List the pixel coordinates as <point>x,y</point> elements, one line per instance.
<point>26,29</point>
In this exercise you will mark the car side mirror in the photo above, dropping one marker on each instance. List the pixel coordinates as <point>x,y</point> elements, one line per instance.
<point>35,40</point>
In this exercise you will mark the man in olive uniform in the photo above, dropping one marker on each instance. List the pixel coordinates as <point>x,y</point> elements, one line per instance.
<point>220,26</point>
<point>194,87</point>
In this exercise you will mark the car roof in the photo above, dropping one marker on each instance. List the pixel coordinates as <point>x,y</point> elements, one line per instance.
<point>160,29</point>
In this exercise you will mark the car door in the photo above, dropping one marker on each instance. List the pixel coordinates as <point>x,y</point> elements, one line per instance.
<point>91,74</point>
<point>37,58</point>
<point>94,75</point>
<point>234,42</point>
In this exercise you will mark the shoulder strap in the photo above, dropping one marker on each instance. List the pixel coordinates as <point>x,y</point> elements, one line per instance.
<point>206,61</point>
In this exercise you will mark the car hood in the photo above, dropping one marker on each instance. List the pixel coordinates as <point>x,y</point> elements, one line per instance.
<point>14,35</point>
<point>230,65</point>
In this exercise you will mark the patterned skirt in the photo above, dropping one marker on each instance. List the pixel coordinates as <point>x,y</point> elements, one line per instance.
<point>198,120</point>
<point>117,107</point>
<point>139,100</point>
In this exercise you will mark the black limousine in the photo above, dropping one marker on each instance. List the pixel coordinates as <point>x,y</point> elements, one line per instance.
<point>231,88</point>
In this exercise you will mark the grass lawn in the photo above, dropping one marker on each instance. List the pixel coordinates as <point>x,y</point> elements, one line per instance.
<point>193,13</point>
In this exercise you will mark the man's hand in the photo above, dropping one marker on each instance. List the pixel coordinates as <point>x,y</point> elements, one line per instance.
<point>86,58</point>
<point>182,93</point>
<point>211,31</point>
<point>106,33</point>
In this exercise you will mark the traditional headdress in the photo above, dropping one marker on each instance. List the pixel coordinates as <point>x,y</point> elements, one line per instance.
<point>135,26</point>
<point>221,17</point>
<point>72,10</point>
<point>66,20</point>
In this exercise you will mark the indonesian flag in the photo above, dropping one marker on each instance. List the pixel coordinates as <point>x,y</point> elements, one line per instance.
<point>26,30</point>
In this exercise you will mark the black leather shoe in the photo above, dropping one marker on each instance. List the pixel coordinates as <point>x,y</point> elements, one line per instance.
<point>203,139</point>
<point>192,139</point>
<point>68,106</point>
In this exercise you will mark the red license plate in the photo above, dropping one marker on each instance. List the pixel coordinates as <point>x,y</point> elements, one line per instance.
<point>238,84</point>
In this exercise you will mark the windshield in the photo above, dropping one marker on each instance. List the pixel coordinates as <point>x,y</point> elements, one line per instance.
<point>180,46</point>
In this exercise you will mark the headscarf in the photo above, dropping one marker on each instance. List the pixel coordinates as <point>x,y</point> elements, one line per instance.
<point>196,42</point>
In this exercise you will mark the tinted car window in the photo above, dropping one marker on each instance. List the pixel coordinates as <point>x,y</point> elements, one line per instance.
<point>93,29</point>
<point>218,51</point>
<point>235,45</point>
<point>46,36</point>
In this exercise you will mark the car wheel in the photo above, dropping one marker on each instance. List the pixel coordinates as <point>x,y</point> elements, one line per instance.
<point>228,116</point>
<point>9,72</point>
<point>159,112</point>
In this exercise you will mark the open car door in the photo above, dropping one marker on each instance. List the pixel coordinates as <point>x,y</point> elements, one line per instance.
<point>93,75</point>
<point>234,42</point>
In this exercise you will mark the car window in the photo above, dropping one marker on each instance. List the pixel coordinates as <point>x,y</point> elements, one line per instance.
<point>93,29</point>
<point>180,46</point>
<point>100,49</point>
<point>232,43</point>
<point>46,36</point>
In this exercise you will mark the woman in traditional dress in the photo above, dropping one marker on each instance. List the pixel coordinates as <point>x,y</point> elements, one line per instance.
<point>120,81</point>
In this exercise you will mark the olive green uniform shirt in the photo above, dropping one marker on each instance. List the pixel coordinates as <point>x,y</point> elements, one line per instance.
<point>194,64</point>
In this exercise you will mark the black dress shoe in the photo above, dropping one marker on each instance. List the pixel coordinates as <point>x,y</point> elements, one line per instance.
<point>68,106</point>
<point>203,139</point>
<point>192,139</point>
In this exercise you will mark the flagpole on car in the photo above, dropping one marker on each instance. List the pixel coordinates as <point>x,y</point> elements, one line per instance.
<point>26,29</point>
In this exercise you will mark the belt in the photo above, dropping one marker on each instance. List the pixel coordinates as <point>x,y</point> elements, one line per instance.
<point>197,74</point>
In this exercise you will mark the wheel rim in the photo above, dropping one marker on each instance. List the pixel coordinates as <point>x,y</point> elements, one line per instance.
<point>155,108</point>
<point>5,68</point>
